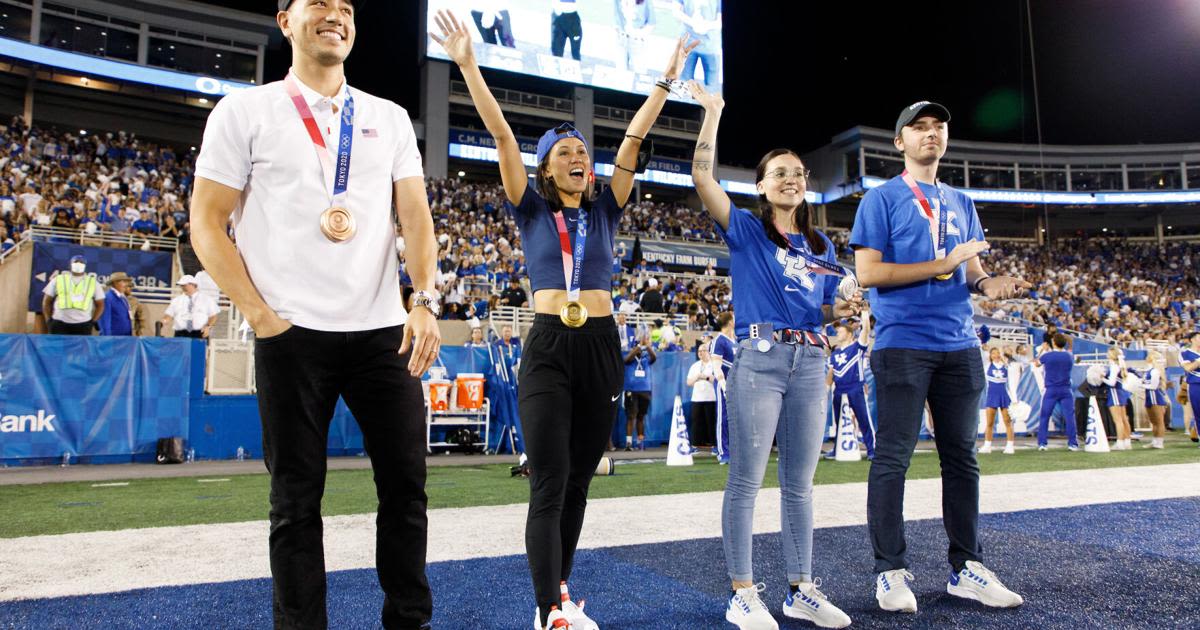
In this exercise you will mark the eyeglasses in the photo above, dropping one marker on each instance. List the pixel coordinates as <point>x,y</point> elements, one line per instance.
<point>783,173</point>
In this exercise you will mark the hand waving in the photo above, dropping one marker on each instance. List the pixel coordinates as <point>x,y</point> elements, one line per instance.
<point>710,102</point>
<point>456,39</point>
<point>683,48</point>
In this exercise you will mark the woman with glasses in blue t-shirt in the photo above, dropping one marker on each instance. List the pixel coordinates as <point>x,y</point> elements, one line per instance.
<point>785,278</point>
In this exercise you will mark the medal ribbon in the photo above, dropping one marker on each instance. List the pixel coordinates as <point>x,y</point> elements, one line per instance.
<point>572,263</point>
<point>939,243</point>
<point>341,171</point>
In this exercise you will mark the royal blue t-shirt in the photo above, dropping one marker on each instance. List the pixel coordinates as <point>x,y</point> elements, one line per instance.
<point>543,254</point>
<point>997,374</point>
<point>770,284</point>
<point>931,314</point>
<point>1058,369</point>
<point>1187,355</point>
<point>637,373</point>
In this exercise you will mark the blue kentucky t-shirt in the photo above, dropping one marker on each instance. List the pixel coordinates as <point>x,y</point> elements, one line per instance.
<point>1058,369</point>
<point>770,284</point>
<point>931,314</point>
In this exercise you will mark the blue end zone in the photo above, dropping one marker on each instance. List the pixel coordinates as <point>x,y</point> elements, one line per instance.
<point>1102,566</point>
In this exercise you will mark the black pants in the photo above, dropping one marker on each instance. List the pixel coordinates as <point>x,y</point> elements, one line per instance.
<point>637,405</point>
<point>566,26</point>
<point>63,328</point>
<point>500,32</point>
<point>300,375</point>
<point>191,334</point>
<point>571,381</point>
<point>704,423</point>
<point>952,382</point>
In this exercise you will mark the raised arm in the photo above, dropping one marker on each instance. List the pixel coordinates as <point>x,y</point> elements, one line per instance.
<point>456,39</point>
<point>864,333</point>
<point>704,160</point>
<point>627,154</point>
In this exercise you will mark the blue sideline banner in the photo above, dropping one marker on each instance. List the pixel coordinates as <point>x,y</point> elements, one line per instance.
<point>92,397</point>
<point>148,269</point>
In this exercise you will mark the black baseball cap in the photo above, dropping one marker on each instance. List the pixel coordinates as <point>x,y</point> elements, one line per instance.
<point>358,4</point>
<point>918,109</point>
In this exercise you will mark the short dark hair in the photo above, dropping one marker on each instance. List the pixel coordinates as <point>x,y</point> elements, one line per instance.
<point>723,320</point>
<point>1060,340</point>
<point>1192,335</point>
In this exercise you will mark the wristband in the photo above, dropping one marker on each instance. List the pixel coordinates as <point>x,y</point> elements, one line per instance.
<point>664,85</point>
<point>977,286</point>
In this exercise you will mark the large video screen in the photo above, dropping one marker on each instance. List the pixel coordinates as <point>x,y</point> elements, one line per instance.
<point>615,44</point>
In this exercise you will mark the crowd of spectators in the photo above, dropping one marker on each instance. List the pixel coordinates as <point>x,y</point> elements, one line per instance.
<point>1116,290</point>
<point>100,183</point>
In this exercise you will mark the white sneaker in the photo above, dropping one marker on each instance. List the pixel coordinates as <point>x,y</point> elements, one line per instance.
<point>1155,443</point>
<point>574,612</point>
<point>556,620</point>
<point>748,612</point>
<point>892,592</point>
<point>976,582</point>
<point>1072,448</point>
<point>811,604</point>
<point>1009,449</point>
<point>1041,447</point>
<point>986,448</point>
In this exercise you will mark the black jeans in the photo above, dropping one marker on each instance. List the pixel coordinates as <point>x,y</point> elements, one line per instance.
<point>191,334</point>
<point>563,27</point>
<point>704,422</point>
<point>952,382</point>
<point>300,375</point>
<point>571,383</point>
<point>63,328</point>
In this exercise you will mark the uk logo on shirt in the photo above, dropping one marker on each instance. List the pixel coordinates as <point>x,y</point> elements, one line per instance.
<point>951,220</point>
<point>796,268</point>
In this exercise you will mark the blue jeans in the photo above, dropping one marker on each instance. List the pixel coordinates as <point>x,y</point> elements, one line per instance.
<point>711,70</point>
<point>952,382</point>
<point>776,394</point>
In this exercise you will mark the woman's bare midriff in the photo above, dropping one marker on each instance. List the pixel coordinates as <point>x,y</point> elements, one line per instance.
<point>551,301</point>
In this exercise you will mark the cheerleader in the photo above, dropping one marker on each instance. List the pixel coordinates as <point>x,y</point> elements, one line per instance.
<point>997,400</point>
<point>1154,385</point>
<point>1117,397</point>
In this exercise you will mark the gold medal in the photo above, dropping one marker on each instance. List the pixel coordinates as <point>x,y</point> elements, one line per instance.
<point>945,276</point>
<point>573,314</point>
<point>337,224</point>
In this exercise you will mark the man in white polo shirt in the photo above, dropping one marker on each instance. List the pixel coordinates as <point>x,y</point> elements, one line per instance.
<point>311,169</point>
<point>192,312</point>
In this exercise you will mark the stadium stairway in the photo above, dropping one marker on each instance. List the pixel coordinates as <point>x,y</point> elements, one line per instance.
<point>188,260</point>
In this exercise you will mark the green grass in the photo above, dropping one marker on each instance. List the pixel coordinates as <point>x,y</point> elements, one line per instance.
<point>78,507</point>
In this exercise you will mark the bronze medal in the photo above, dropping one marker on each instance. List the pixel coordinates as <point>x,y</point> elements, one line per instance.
<point>337,224</point>
<point>573,314</point>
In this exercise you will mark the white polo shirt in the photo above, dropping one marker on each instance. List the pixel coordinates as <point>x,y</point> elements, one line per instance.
<point>256,142</point>
<point>191,312</point>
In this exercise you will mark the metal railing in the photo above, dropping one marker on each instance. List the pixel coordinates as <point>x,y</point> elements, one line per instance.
<point>126,240</point>
<point>16,249</point>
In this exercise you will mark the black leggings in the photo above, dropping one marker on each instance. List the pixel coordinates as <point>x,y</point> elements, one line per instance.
<point>570,385</point>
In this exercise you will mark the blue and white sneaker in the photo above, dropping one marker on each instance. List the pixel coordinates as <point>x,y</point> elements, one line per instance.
<point>747,611</point>
<point>976,582</point>
<point>723,461</point>
<point>892,592</point>
<point>811,604</point>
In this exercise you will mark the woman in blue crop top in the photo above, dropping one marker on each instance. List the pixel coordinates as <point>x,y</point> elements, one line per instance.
<point>785,279</point>
<point>572,371</point>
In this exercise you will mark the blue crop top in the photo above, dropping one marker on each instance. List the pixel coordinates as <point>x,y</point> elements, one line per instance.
<point>543,254</point>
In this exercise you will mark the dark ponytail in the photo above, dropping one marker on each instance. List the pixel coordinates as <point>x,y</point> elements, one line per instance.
<point>803,216</point>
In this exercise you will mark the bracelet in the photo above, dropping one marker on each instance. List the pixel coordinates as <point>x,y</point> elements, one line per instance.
<point>664,84</point>
<point>977,286</point>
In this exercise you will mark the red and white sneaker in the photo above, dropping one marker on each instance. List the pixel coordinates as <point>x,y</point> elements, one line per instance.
<point>574,612</point>
<point>556,620</point>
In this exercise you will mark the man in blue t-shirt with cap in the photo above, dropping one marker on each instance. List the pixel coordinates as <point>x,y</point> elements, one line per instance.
<point>917,244</point>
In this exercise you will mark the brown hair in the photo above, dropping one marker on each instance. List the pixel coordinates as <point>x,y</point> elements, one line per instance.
<point>804,219</point>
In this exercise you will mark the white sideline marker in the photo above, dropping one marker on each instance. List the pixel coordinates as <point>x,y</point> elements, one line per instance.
<point>115,484</point>
<point>211,480</point>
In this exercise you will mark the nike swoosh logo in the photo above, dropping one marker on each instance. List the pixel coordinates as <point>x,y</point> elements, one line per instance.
<point>614,398</point>
<point>791,288</point>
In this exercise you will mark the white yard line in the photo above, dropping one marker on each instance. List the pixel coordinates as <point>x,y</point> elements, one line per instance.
<point>104,562</point>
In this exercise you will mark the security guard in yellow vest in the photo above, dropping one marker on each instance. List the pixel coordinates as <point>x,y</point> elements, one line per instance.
<point>73,301</point>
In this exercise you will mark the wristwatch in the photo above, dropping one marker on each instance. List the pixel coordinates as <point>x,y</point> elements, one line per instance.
<point>431,300</point>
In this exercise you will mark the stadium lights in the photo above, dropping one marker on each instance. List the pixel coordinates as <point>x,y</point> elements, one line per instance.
<point>204,101</point>
<point>83,80</point>
<point>462,173</point>
<point>649,196</point>
<point>83,132</point>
